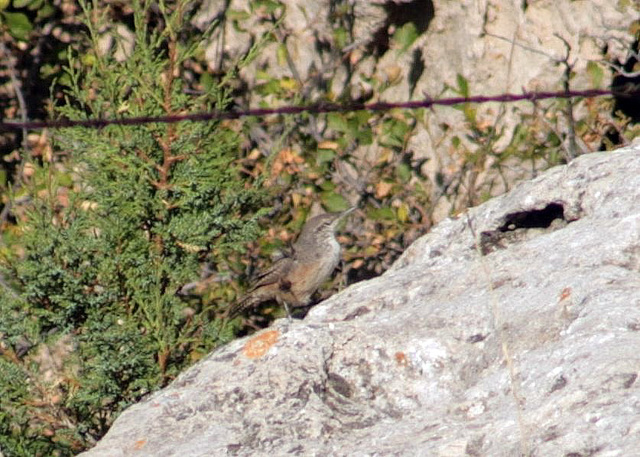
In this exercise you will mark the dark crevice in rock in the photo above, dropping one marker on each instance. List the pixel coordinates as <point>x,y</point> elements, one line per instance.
<point>537,218</point>
<point>340,385</point>
<point>477,338</point>
<point>419,12</point>
<point>416,69</point>
<point>559,384</point>
<point>623,84</point>
<point>523,225</point>
<point>630,379</point>
<point>361,311</point>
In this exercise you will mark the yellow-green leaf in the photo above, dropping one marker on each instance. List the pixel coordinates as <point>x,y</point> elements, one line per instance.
<point>403,212</point>
<point>595,72</point>
<point>405,36</point>
<point>334,202</point>
<point>18,24</point>
<point>463,85</point>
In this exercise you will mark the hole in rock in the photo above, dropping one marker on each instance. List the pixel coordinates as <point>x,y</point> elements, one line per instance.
<point>523,225</point>
<point>537,218</point>
<point>420,12</point>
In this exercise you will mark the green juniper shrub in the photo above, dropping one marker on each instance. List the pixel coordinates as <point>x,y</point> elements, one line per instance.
<point>99,287</point>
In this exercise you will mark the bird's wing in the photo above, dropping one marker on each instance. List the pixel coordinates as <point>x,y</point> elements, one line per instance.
<point>273,274</point>
<point>260,291</point>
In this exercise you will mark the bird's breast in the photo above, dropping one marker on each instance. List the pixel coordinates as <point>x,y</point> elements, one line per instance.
<point>313,269</point>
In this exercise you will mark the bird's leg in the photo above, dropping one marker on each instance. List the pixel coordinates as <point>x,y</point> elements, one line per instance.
<point>286,308</point>
<point>285,290</point>
<point>343,278</point>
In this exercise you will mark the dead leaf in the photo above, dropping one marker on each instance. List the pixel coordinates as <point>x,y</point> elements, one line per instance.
<point>383,189</point>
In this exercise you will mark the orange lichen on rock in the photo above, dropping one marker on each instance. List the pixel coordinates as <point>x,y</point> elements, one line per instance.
<point>258,346</point>
<point>401,359</point>
<point>566,293</point>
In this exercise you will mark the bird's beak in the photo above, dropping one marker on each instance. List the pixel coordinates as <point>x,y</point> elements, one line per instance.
<point>347,211</point>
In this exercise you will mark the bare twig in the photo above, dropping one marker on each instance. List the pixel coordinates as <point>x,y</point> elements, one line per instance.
<point>17,183</point>
<point>619,69</point>
<point>523,46</point>
<point>282,37</point>
<point>499,326</point>
<point>572,151</point>
<point>4,214</point>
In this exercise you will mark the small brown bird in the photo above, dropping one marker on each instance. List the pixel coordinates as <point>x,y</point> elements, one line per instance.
<point>293,279</point>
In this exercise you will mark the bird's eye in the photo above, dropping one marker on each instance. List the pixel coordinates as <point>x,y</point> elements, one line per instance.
<point>323,225</point>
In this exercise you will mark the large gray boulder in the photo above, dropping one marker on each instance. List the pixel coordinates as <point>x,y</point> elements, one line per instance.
<point>511,330</point>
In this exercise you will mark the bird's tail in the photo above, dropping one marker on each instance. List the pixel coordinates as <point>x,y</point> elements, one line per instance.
<point>248,301</point>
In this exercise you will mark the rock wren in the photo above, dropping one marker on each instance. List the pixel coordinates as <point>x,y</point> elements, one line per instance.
<point>293,279</point>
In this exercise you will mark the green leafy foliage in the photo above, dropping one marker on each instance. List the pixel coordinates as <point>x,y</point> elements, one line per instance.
<point>18,24</point>
<point>596,73</point>
<point>109,247</point>
<point>405,36</point>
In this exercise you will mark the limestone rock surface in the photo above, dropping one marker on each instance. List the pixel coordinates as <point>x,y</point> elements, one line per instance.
<point>511,330</point>
<point>495,46</point>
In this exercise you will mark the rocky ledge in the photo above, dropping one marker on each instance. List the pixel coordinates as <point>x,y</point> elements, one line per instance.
<point>511,330</point>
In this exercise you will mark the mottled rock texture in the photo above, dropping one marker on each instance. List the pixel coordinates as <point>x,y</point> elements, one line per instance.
<point>511,330</point>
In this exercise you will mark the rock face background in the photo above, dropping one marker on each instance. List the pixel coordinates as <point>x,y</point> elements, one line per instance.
<point>496,46</point>
<point>512,330</point>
